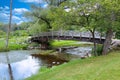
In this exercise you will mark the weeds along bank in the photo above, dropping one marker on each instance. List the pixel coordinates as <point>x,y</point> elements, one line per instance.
<point>15,43</point>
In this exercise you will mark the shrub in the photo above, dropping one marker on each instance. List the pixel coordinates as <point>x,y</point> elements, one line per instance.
<point>4,49</point>
<point>99,49</point>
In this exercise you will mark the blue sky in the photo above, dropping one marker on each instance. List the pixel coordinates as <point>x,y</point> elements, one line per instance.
<point>19,7</point>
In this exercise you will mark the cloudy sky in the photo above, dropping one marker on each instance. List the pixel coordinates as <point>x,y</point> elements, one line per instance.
<point>19,7</point>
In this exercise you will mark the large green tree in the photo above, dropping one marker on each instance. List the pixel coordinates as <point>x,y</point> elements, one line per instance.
<point>110,19</point>
<point>55,2</point>
<point>81,13</point>
<point>94,15</point>
<point>42,22</point>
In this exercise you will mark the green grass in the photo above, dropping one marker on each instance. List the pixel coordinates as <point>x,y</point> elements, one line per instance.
<point>64,43</point>
<point>95,68</point>
<point>15,43</point>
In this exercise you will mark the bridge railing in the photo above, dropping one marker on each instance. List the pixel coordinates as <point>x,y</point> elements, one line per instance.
<point>69,33</point>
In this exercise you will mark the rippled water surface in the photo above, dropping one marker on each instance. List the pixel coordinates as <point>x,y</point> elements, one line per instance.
<point>80,51</point>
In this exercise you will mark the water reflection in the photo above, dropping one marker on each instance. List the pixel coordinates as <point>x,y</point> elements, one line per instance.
<point>24,65</point>
<point>4,75</point>
<point>25,68</point>
<point>20,69</point>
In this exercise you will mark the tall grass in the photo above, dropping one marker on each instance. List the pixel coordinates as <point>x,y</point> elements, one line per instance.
<point>99,49</point>
<point>15,43</point>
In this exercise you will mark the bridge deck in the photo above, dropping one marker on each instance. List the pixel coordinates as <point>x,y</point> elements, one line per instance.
<point>67,35</point>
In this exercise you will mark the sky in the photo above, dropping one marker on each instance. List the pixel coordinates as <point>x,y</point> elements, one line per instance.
<point>19,7</point>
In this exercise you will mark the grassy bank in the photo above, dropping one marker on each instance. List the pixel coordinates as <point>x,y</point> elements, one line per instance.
<point>95,68</point>
<point>64,43</point>
<point>15,43</point>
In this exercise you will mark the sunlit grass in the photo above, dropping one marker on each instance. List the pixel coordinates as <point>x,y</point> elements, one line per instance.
<point>64,43</point>
<point>95,68</point>
<point>15,43</point>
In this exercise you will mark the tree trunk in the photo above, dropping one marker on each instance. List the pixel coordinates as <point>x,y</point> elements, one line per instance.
<point>9,27</point>
<point>93,38</point>
<point>7,42</point>
<point>94,50</point>
<point>107,42</point>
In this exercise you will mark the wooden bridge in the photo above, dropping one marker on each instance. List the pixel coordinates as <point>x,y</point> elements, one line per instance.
<point>44,37</point>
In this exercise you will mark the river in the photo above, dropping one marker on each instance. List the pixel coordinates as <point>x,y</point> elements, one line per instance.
<point>23,65</point>
<point>21,62</point>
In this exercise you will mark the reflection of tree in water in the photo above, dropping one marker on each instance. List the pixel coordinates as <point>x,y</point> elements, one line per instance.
<point>9,67</point>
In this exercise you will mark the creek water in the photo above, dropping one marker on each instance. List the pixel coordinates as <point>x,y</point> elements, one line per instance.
<point>23,65</point>
<point>80,51</point>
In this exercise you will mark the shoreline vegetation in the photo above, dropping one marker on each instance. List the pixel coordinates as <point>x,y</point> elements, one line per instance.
<point>94,68</point>
<point>15,43</point>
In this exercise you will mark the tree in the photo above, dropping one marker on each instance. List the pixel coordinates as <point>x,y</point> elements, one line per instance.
<point>9,27</point>
<point>95,15</point>
<point>83,14</point>
<point>7,41</point>
<point>39,17</point>
<point>40,14</point>
<point>110,19</point>
<point>55,2</point>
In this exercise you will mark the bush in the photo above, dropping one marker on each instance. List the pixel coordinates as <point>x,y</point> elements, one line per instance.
<point>3,50</point>
<point>20,33</point>
<point>2,34</point>
<point>98,50</point>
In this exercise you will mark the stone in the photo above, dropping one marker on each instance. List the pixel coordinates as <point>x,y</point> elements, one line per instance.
<point>115,44</point>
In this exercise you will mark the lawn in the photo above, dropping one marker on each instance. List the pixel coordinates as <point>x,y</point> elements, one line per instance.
<point>64,43</point>
<point>94,68</point>
<point>14,43</point>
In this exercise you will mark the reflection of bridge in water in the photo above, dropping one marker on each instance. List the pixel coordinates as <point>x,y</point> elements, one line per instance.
<point>44,37</point>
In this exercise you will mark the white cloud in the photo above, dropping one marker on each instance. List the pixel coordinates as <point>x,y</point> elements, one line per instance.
<point>5,18</point>
<point>16,15</point>
<point>6,7</point>
<point>1,8</point>
<point>32,1</point>
<point>16,18</point>
<point>4,15</point>
<point>20,10</point>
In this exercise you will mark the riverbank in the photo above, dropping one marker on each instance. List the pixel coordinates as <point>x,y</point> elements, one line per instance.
<point>15,43</point>
<point>94,68</point>
<point>66,43</point>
